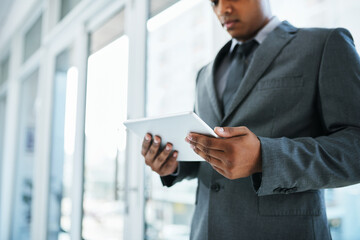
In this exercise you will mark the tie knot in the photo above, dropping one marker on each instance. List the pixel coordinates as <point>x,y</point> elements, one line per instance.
<point>245,48</point>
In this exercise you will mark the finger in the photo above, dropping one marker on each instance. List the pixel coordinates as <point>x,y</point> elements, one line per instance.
<point>231,131</point>
<point>205,141</point>
<point>161,158</point>
<point>218,154</point>
<point>146,144</point>
<point>219,170</point>
<point>153,151</point>
<point>208,158</point>
<point>170,165</point>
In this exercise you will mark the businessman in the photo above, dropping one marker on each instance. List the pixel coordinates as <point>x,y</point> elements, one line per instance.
<point>285,103</point>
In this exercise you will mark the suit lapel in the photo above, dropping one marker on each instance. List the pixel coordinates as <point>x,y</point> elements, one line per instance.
<point>210,80</point>
<point>263,57</point>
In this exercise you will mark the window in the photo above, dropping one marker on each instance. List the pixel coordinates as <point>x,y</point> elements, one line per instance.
<point>32,39</point>
<point>2,133</point>
<point>157,6</point>
<point>4,71</point>
<point>112,29</point>
<point>67,6</point>
<point>105,136</point>
<point>179,44</point>
<point>22,203</point>
<point>62,146</point>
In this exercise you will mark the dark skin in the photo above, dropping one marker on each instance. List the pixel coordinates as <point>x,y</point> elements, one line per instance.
<point>236,154</point>
<point>237,151</point>
<point>242,19</point>
<point>161,161</point>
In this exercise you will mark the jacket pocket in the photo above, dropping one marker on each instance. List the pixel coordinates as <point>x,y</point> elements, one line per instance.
<point>283,82</point>
<point>296,204</point>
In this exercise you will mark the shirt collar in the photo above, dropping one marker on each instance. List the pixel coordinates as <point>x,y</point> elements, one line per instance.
<point>262,34</point>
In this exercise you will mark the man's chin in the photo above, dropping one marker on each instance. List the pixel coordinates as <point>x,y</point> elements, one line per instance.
<point>240,36</point>
<point>237,36</point>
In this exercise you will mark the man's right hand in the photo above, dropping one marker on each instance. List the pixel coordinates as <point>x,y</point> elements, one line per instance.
<point>161,161</point>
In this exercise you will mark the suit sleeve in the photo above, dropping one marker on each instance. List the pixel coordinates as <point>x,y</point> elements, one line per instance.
<point>186,170</point>
<point>331,160</point>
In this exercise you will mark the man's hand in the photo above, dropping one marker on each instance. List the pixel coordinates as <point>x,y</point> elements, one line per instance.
<point>162,161</point>
<point>237,154</point>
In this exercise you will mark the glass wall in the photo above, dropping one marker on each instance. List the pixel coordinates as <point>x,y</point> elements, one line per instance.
<point>32,41</point>
<point>180,42</point>
<point>105,136</point>
<point>2,133</point>
<point>62,146</point>
<point>4,71</point>
<point>320,13</point>
<point>50,151</point>
<point>4,74</point>
<point>157,6</point>
<point>22,204</point>
<point>66,6</point>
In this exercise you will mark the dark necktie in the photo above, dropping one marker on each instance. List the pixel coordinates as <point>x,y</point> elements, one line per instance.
<point>237,71</point>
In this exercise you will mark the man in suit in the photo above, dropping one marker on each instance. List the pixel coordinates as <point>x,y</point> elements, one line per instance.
<point>285,103</point>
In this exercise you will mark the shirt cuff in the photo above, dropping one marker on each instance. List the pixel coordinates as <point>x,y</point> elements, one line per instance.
<point>177,171</point>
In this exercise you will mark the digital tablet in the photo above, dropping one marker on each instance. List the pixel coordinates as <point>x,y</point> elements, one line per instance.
<point>173,129</point>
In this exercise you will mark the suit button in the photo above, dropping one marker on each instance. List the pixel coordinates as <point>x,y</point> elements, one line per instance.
<point>215,187</point>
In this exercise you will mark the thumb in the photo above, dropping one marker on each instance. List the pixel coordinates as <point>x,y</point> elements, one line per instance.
<point>231,131</point>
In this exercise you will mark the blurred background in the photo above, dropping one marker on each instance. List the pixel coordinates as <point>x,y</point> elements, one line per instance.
<point>71,71</point>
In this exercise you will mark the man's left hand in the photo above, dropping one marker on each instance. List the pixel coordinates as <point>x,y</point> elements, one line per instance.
<point>236,154</point>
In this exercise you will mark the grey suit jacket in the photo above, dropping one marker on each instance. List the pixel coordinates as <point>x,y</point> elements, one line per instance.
<point>301,97</point>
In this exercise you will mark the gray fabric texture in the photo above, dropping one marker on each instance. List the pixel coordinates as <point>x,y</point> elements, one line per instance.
<point>300,96</point>
<point>237,69</point>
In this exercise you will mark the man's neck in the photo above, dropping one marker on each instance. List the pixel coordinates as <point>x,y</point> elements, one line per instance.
<point>262,33</point>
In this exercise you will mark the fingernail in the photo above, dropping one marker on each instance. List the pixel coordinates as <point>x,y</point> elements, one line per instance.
<point>156,140</point>
<point>192,146</point>
<point>221,129</point>
<point>175,154</point>
<point>168,147</point>
<point>147,138</point>
<point>189,137</point>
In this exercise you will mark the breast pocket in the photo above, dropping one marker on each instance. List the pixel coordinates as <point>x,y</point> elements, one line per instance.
<point>295,204</point>
<point>280,83</point>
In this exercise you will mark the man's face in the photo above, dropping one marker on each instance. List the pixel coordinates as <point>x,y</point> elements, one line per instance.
<point>242,19</point>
